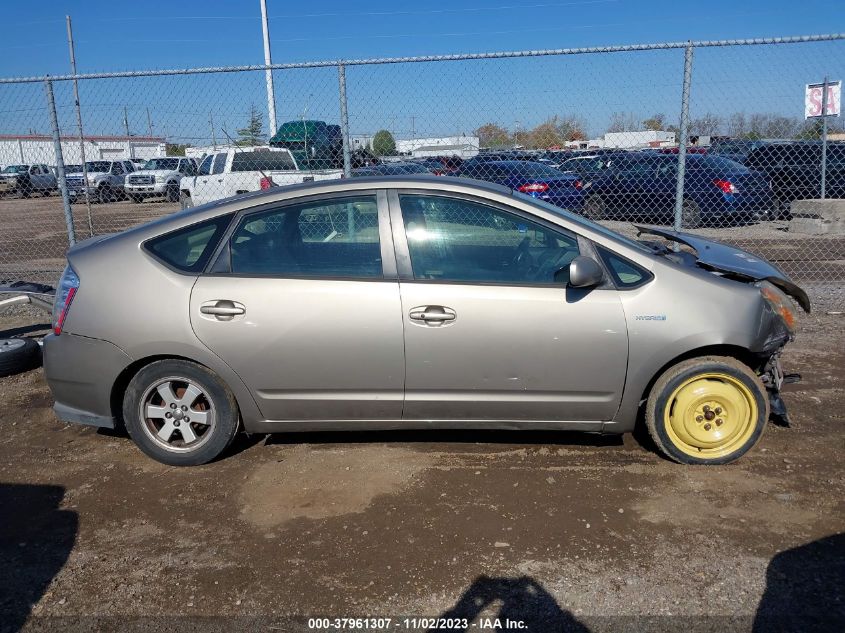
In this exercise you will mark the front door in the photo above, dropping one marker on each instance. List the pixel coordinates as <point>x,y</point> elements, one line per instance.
<point>306,312</point>
<point>489,333</point>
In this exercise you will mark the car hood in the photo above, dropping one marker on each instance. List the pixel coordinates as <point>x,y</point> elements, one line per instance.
<point>733,262</point>
<point>152,172</point>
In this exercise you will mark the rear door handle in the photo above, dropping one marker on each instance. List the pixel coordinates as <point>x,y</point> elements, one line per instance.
<point>432,315</point>
<point>223,309</point>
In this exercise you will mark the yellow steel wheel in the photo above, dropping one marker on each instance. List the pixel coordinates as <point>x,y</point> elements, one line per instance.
<point>710,415</point>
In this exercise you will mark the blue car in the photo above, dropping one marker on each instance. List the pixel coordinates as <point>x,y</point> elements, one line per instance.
<point>534,179</point>
<point>641,186</point>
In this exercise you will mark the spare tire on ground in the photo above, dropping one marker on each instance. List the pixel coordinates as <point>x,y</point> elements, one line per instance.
<point>18,355</point>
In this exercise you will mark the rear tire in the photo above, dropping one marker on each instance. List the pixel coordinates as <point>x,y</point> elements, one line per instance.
<point>136,199</point>
<point>160,402</point>
<point>185,200</point>
<point>18,355</point>
<point>595,208</point>
<point>709,410</point>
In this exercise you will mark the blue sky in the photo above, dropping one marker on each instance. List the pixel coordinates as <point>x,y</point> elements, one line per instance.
<point>425,98</point>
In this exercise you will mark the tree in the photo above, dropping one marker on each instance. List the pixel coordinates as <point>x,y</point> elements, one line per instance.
<point>622,122</point>
<point>545,135</point>
<point>492,135</point>
<point>253,133</point>
<point>570,128</point>
<point>706,125</point>
<point>656,122</point>
<point>175,149</point>
<point>384,143</point>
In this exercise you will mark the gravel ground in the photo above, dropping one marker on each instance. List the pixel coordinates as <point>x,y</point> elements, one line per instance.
<point>559,531</point>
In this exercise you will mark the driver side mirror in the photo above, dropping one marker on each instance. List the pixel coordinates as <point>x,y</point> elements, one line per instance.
<point>584,272</point>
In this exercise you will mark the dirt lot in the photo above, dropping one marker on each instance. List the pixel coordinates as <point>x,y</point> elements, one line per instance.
<point>559,531</point>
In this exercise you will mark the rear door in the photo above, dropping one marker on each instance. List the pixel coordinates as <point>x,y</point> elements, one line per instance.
<point>305,308</point>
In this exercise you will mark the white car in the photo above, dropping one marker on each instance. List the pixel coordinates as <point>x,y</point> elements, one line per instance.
<point>233,171</point>
<point>159,177</point>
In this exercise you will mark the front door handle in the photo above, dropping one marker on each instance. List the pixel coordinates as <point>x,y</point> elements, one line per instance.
<point>223,310</point>
<point>432,315</point>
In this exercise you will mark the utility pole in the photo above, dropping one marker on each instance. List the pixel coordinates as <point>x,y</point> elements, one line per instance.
<point>126,129</point>
<point>149,123</point>
<point>271,95</point>
<point>79,123</point>
<point>213,137</point>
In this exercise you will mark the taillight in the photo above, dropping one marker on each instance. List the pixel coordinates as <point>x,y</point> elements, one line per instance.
<point>68,286</point>
<point>266,183</point>
<point>578,184</point>
<point>726,186</point>
<point>534,187</point>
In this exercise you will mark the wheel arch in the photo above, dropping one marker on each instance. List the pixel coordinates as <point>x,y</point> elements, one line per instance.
<point>121,382</point>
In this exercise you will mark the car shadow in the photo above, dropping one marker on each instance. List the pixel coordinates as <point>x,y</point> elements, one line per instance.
<point>36,538</point>
<point>804,589</point>
<point>447,436</point>
<point>517,603</point>
<point>25,329</point>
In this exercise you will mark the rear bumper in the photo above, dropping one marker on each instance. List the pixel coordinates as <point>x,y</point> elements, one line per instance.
<point>80,372</point>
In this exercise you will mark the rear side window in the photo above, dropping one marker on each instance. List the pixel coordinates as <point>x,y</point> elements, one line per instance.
<point>205,167</point>
<point>219,164</point>
<point>262,161</point>
<point>625,273</point>
<point>189,249</point>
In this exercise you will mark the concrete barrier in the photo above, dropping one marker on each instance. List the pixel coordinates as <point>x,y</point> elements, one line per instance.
<point>818,217</point>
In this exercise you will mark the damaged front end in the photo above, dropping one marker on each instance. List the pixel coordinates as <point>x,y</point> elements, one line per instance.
<point>779,319</point>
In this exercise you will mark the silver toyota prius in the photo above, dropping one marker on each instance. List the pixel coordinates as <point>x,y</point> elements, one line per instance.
<point>410,303</point>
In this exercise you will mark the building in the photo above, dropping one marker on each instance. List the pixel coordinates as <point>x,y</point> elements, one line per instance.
<point>462,146</point>
<point>627,140</point>
<point>38,148</point>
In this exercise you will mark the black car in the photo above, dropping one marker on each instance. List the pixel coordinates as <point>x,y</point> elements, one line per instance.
<point>391,169</point>
<point>794,169</point>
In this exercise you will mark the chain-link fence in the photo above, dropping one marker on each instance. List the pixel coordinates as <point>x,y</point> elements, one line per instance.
<point>705,137</point>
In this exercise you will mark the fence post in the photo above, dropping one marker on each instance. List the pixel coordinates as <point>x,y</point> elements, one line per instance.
<point>344,121</point>
<point>684,133</point>
<point>824,139</point>
<point>60,162</point>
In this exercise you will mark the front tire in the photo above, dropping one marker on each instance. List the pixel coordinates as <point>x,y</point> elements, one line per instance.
<point>104,194</point>
<point>136,198</point>
<point>690,214</point>
<point>172,192</point>
<point>708,410</point>
<point>180,413</point>
<point>185,200</point>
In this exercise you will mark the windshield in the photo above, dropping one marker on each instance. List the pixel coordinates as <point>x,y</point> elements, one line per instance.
<point>98,166</point>
<point>73,169</point>
<point>731,147</point>
<point>169,164</point>
<point>578,219</point>
<point>717,163</point>
<point>15,169</point>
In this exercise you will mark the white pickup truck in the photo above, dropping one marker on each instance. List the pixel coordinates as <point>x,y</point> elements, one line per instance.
<point>234,171</point>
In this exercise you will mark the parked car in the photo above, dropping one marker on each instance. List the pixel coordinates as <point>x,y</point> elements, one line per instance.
<point>794,169</point>
<point>392,169</point>
<point>717,191</point>
<point>159,177</point>
<point>534,179</point>
<point>232,172</point>
<point>589,165</point>
<point>105,180</point>
<point>463,305</point>
<point>26,180</point>
<point>138,163</point>
<point>736,149</point>
<point>433,165</point>
<point>73,169</point>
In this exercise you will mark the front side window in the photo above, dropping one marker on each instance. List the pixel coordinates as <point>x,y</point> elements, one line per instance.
<point>189,249</point>
<point>330,238</point>
<point>453,239</point>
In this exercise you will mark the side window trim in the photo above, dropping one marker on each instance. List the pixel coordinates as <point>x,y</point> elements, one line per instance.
<point>602,253</point>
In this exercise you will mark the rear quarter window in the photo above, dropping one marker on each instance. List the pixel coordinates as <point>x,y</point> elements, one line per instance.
<point>188,249</point>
